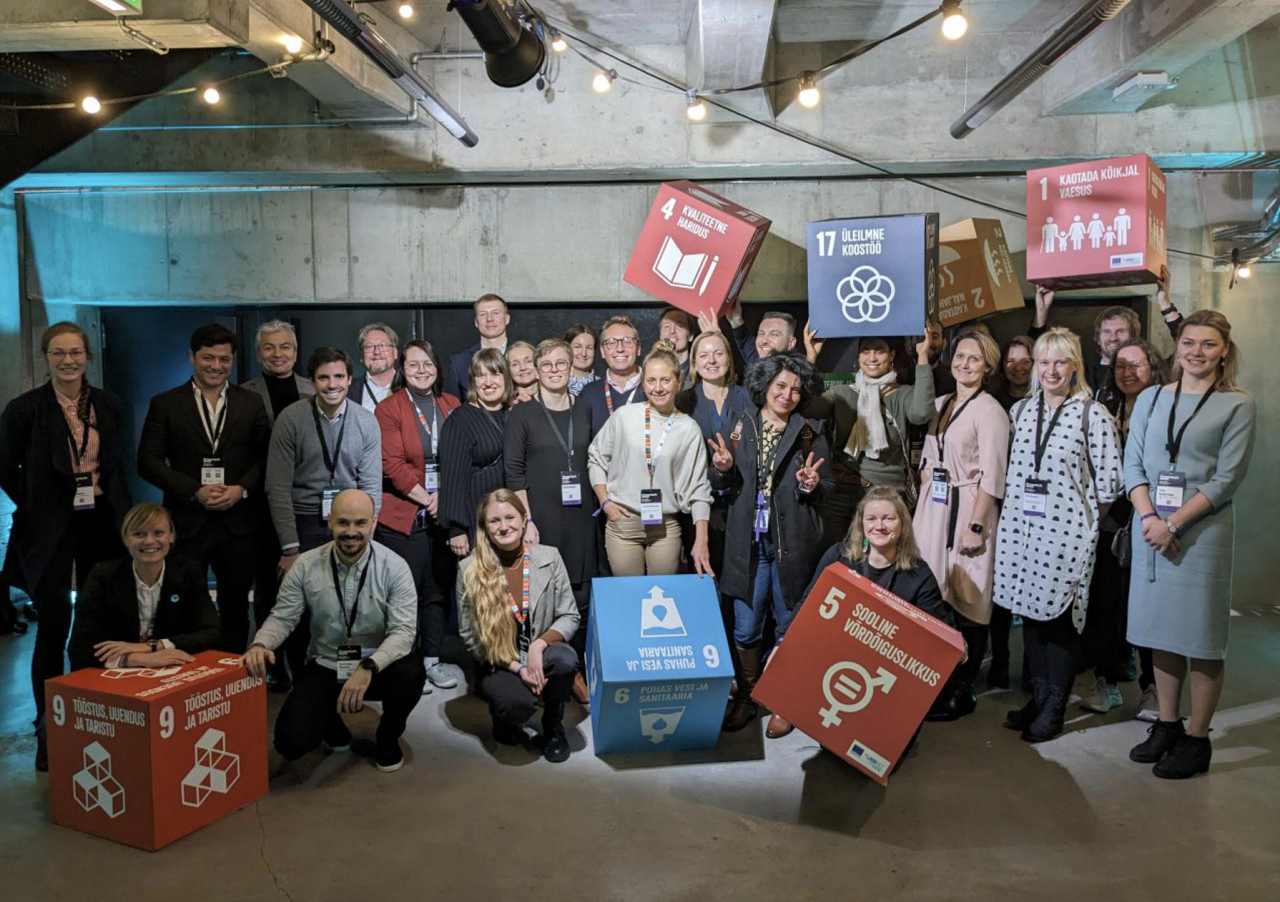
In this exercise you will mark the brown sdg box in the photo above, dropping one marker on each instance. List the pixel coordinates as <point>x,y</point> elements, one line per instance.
<point>859,670</point>
<point>975,272</point>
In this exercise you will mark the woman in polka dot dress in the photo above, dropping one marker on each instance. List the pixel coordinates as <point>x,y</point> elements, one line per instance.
<point>1065,468</point>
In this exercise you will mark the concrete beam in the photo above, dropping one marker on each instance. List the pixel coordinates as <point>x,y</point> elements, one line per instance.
<point>1167,36</point>
<point>729,44</point>
<point>71,25</point>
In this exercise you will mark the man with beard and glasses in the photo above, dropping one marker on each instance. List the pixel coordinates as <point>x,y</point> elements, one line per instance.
<point>379,351</point>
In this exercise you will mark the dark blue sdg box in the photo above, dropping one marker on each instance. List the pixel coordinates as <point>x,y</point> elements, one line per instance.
<point>873,276</point>
<point>659,668</point>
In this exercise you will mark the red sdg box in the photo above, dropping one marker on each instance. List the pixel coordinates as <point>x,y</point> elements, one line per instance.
<point>1095,225</point>
<point>696,248</point>
<point>859,670</point>
<point>145,756</point>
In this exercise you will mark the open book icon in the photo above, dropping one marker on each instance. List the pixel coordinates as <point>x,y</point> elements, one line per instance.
<point>681,270</point>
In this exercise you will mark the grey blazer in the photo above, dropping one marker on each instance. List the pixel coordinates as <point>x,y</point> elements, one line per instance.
<point>551,604</point>
<point>259,385</point>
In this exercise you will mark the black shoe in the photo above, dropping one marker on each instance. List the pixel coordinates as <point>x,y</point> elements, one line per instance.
<point>956,701</point>
<point>278,677</point>
<point>507,734</point>
<point>1189,756</point>
<point>1048,722</point>
<point>388,757</point>
<point>1162,736</point>
<point>556,745</point>
<point>42,750</point>
<point>1021,718</point>
<point>998,676</point>
<point>337,737</point>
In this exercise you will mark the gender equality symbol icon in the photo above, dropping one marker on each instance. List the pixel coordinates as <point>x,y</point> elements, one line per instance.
<point>865,295</point>
<point>855,689</point>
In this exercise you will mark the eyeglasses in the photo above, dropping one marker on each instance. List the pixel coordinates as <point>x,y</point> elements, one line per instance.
<point>381,347</point>
<point>74,354</point>
<point>1132,367</point>
<point>619,343</point>
<point>553,366</point>
<point>423,367</point>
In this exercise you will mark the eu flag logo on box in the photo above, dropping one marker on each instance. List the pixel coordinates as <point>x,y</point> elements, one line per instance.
<point>660,668</point>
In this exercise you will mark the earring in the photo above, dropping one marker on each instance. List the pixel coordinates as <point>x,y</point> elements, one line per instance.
<point>866,544</point>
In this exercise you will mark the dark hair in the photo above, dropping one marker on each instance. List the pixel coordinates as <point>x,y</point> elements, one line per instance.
<point>211,335</point>
<point>578,329</point>
<point>785,317</point>
<point>84,409</point>
<point>765,370</point>
<point>1158,362</point>
<point>493,361</point>
<point>320,356</point>
<point>429,349</point>
<point>683,316</point>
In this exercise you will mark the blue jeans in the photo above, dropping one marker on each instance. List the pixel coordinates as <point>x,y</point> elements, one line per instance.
<point>749,616</point>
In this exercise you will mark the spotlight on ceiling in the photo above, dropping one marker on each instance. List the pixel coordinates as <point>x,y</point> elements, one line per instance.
<point>91,105</point>
<point>954,24</point>
<point>405,10</point>
<point>513,54</point>
<point>211,95</point>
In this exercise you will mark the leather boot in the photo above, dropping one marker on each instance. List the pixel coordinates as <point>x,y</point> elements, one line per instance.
<point>1189,756</point>
<point>1020,718</point>
<point>581,694</point>
<point>1048,722</point>
<point>555,747</point>
<point>742,710</point>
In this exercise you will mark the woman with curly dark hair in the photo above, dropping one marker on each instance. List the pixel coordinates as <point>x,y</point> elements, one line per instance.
<point>770,467</point>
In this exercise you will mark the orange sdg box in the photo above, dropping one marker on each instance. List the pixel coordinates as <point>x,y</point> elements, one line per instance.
<point>859,670</point>
<point>145,756</point>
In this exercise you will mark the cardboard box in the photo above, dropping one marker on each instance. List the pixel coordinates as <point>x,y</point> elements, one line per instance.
<point>696,248</point>
<point>859,669</point>
<point>660,669</point>
<point>873,276</point>
<point>975,272</point>
<point>145,756</point>
<point>1096,224</point>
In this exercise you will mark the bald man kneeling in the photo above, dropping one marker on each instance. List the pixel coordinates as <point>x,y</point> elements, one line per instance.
<point>364,614</point>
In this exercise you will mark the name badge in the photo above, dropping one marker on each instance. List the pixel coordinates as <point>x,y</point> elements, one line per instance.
<point>212,472</point>
<point>1171,489</point>
<point>327,494</point>
<point>431,477</point>
<point>651,507</point>
<point>916,452</point>
<point>1035,497</point>
<point>348,660</point>
<point>522,643</point>
<point>939,488</point>
<point>83,498</point>
<point>761,526</point>
<point>570,488</point>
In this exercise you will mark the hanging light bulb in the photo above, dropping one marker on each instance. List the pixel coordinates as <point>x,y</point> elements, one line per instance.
<point>91,105</point>
<point>558,43</point>
<point>1244,271</point>
<point>292,44</point>
<point>211,95</point>
<point>405,10</point>
<point>809,94</point>
<point>603,81</point>
<point>954,24</point>
<point>696,110</point>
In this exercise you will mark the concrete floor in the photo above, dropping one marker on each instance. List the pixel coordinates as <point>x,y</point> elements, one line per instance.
<point>974,814</point>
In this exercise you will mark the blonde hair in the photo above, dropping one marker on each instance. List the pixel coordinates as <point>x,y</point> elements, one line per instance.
<point>987,347</point>
<point>662,351</point>
<point>855,543</point>
<point>547,345</point>
<point>1229,364</point>
<point>485,586</point>
<point>1067,343</point>
<point>141,516</point>
<point>731,371</point>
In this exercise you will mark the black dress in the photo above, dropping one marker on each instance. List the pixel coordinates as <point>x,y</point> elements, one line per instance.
<point>534,460</point>
<point>471,443</point>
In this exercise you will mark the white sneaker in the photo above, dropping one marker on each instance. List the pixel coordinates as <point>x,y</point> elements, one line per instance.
<point>1149,706</point>
<point>438,675</point>
<point>1103,697</point>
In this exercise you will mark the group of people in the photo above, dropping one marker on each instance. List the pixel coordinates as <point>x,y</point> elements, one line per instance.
<point>1095,505</point>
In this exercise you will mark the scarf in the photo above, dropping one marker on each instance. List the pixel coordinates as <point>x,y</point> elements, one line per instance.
<point>869,433</point>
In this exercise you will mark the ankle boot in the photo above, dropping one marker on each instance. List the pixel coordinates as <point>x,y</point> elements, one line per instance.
<point>1189,756</point>
<point>956,701</point>
<point>1020,718</point>
<point>555,746</point>
<point>1162,736</point>
<point>1048,722</point>
<point>742,709</point>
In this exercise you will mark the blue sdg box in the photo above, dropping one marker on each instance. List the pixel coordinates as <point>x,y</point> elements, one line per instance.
<point>873,276</point>
<point>660,669</point>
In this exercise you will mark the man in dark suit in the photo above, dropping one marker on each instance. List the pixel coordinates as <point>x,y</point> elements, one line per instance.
<point>491,321</point>
<point>379,351</point>
<point>204,444</point>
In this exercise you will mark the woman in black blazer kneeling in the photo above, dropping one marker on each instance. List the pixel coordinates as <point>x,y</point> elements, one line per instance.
<point>146,610</point>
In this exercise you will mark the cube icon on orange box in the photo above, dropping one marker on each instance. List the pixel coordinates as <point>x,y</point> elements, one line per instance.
<point>145,756</point>
<point>696,248</point>
<point>1096,224</point>
<point>859,670</point>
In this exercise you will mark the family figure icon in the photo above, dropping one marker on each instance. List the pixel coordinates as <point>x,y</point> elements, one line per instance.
<point>1054,239</point>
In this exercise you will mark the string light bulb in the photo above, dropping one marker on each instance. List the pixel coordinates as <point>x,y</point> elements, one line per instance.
<point>1244,272</point>
<point>954,23</point>
<point>603,81</point>
<point>292,44</point>
<point>91,105</point>
<point>405,10</point>
<point>696,110</point>
<point>558,43</point>
<point>809,95</point>
<point>211,95</point>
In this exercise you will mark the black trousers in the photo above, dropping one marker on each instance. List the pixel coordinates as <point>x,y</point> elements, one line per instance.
<point>233,561</point>
<point>1052,649</point>
<point>90,539</point>
<point>431,563</point>
<point>975,637</point>
<point>310,713</point>
<point>1103,641</point>
<point>582,598</point>
<point>510,699</point>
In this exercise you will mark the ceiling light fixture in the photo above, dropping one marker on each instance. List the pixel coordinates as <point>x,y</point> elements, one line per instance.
<point>120,7</point>
<point>513,52</point>
<point>696,110</point>
<point>405,10</point>
<point>954,24</point>
<point>211,95</point>
<point>809,95</point>
<point>603,81</point>
<point>558,43</point>
<point>91,105</point>
<point>292,44</point>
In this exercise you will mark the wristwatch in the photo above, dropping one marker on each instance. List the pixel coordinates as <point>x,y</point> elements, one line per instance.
<point>1172,527</point>
<point>370,665</point>
<point>153,643</point>
<point>977,528</point>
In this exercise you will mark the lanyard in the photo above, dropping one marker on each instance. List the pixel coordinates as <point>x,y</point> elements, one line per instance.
<point>428,432</point>
<point>212,431</point>
<point>608,396</point>
<point>1174,444</point>
<point>566,446</point>
<point>951,420</point>
<point>521,611</point>
<point>650,455</point>
<point>1053,421</point>
<point>78,453</point>
<point>330,461</point>
<point>350,620</point>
